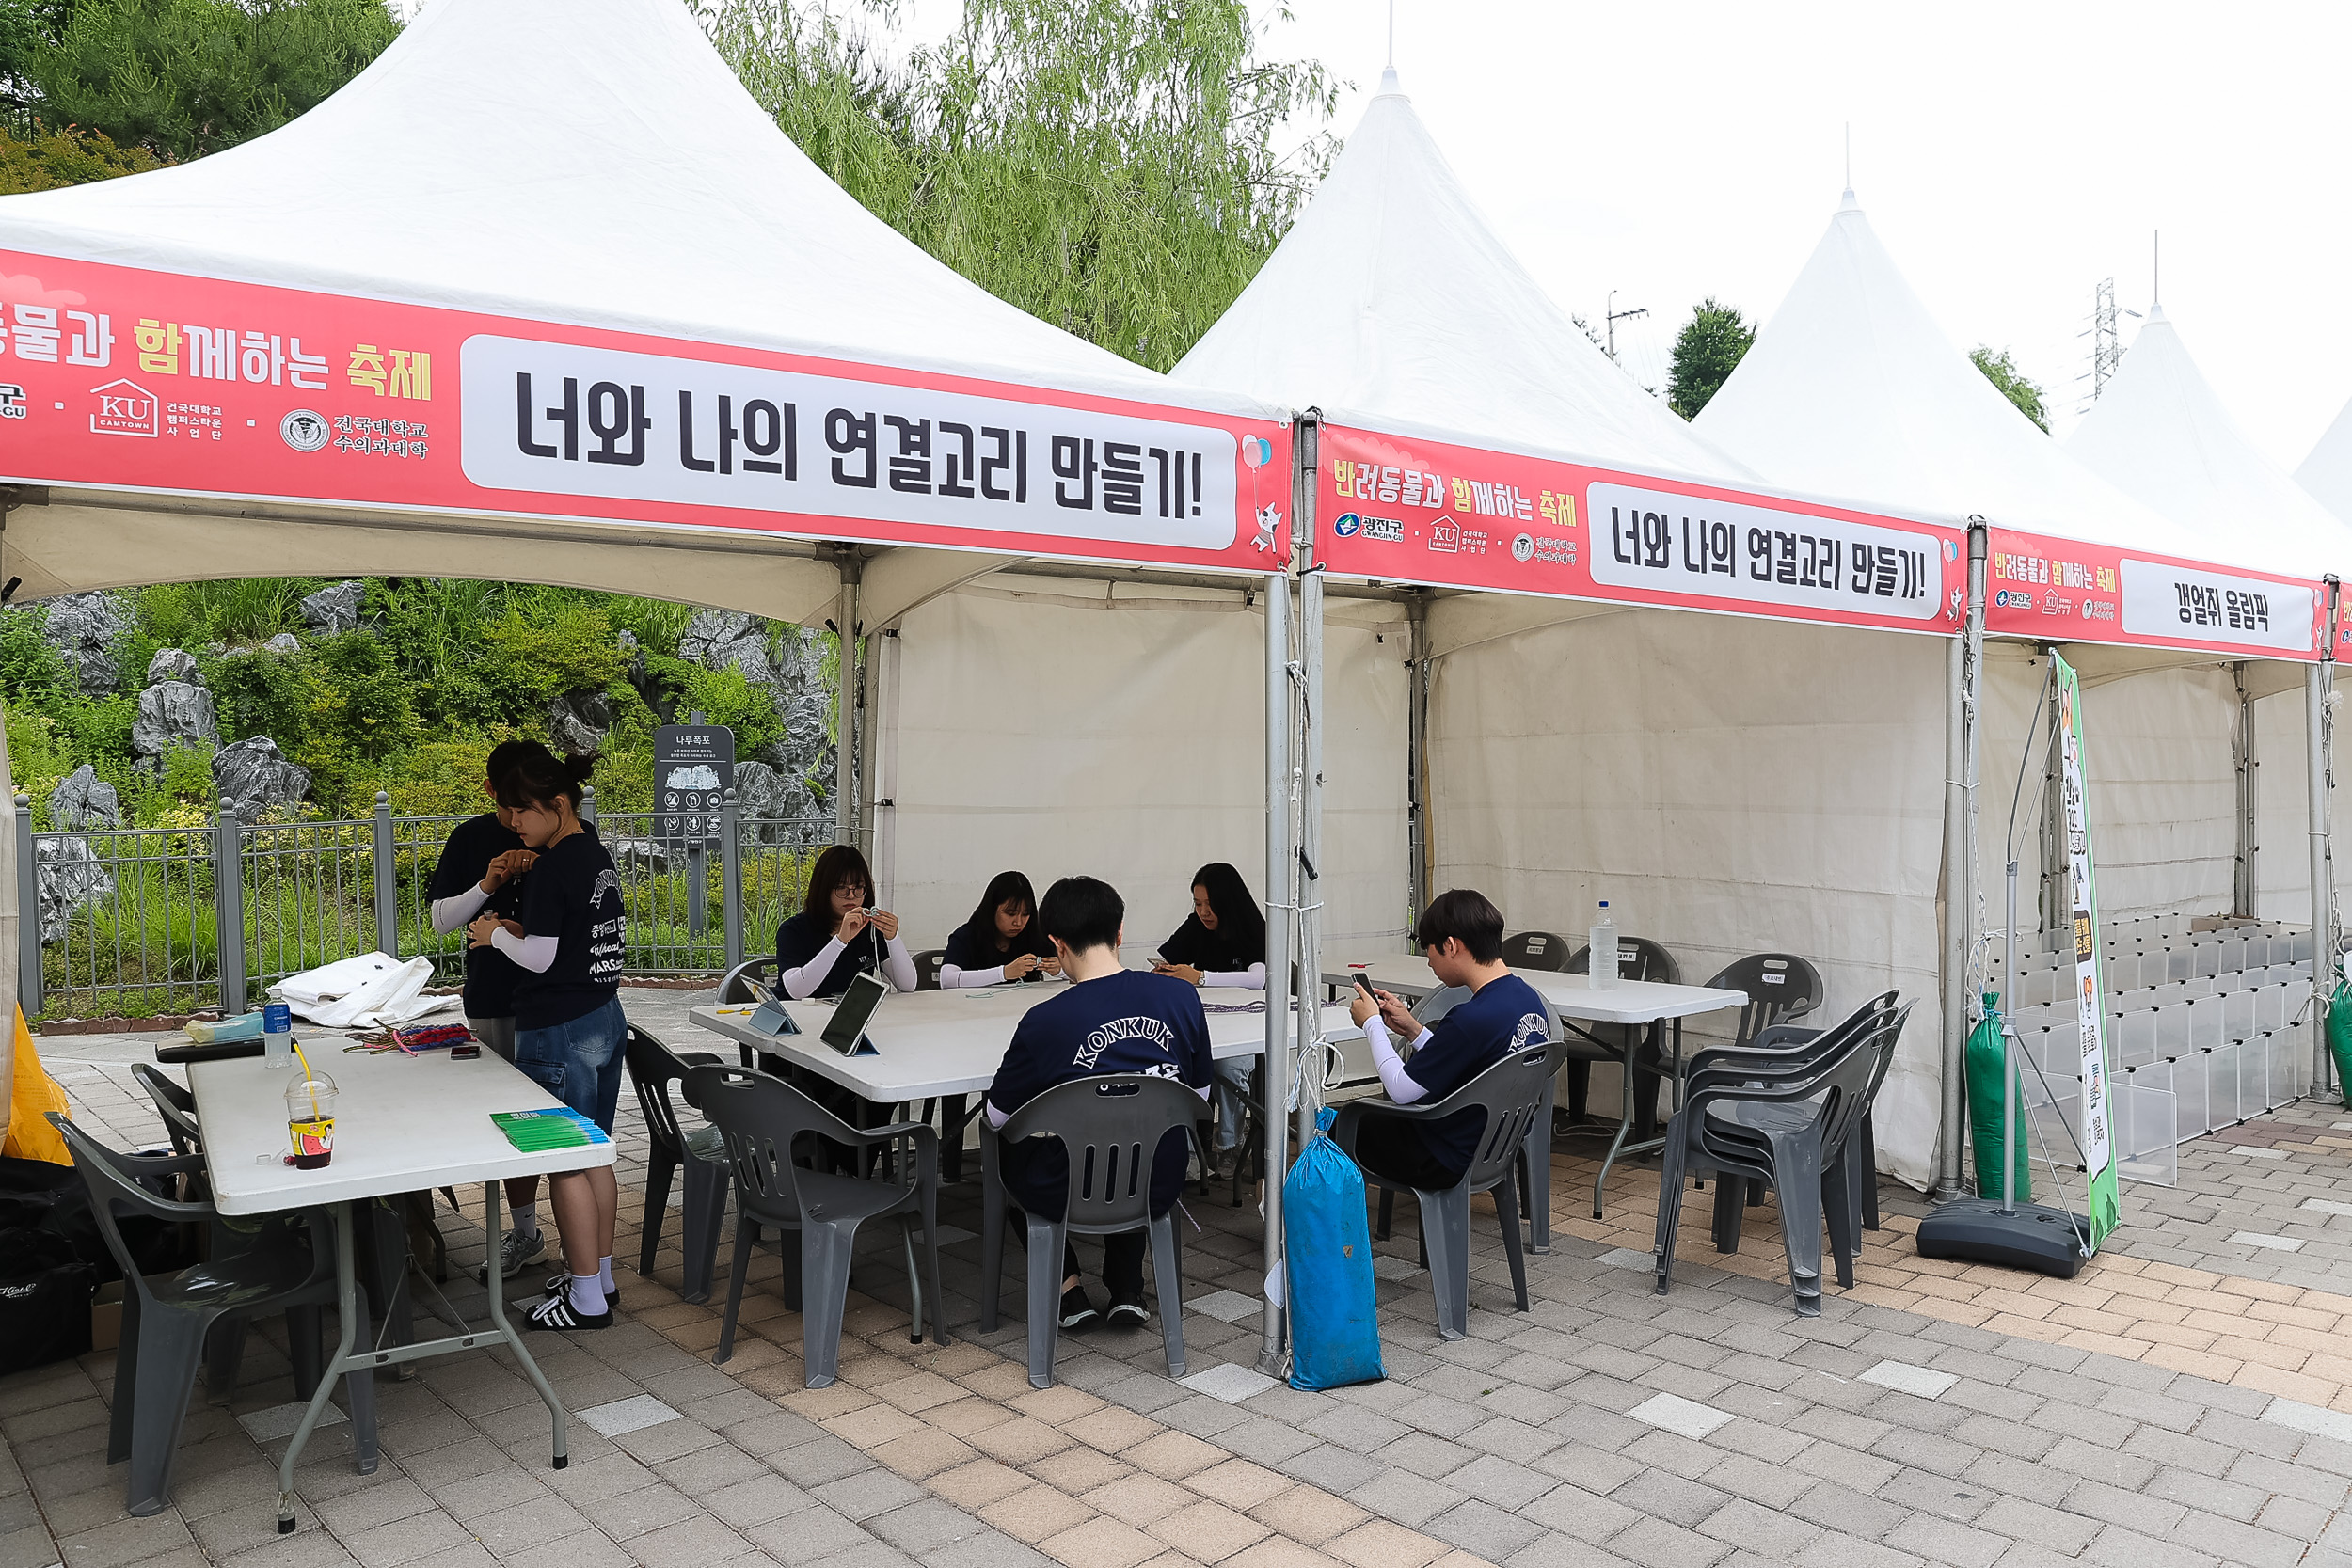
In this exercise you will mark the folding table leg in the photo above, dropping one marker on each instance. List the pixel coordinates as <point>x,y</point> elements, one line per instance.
<point>347,1304</point>
<point>490,1192</point>
<point>1625,1129</point>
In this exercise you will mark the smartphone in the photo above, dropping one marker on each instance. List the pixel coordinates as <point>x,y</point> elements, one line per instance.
<point>1365,986</point>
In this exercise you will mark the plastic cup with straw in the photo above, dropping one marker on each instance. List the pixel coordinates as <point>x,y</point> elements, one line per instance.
<point>310,1115</point>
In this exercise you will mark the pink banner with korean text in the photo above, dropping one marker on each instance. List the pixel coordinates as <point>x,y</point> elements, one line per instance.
<point>122,379</point>
<point>1405,509</point>
<point>2057,590</point>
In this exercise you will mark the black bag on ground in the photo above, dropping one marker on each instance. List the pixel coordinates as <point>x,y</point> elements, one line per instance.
<point>45,1291</point>
<point>37,1195</point>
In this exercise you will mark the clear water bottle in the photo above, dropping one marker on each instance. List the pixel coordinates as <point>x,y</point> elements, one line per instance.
<point>1601,966</point>
<point>277,1035</point>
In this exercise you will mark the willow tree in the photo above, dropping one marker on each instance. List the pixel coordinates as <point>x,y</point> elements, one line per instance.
<point>1119,167</point>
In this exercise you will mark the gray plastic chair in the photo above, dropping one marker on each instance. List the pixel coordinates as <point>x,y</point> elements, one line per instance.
<point>1111,1127</point>
<point>166,1318</point>
<point>653,1067</point>
<point>1546,950</point>
<point>174,1103</point>
<point>1535,1158</point>
<point>1782,1117</point>
<point>1511,1093</point>
<point>1780,986</point>
<point>762,1119</point>
<point>927,964</point>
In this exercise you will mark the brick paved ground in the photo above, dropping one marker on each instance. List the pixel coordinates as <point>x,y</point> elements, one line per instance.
<point>1962,1416</point>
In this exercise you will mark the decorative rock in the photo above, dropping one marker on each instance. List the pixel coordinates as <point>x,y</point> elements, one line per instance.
<point>773,807</point>
<point>335,608</point>
<point>284,642</point>
<point>254,776</point>
<point>173,664</point>
<point>577,723</point>
<point>84,629</point>
<point>70,878</point>
<point>173,713</point>
<point>82,800</point>
<point>638,854</point>
<point>727,638</point>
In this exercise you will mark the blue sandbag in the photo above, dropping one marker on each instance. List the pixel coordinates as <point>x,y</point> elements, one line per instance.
<point>1326,1247</point>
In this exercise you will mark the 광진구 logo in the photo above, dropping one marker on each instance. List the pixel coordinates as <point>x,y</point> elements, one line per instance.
<point>1348,525</point>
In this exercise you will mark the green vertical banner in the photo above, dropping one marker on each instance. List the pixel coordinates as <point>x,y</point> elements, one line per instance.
<point>2091,998</point>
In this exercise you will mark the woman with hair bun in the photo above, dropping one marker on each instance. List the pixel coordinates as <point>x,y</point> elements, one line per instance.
<point>569,1030</point>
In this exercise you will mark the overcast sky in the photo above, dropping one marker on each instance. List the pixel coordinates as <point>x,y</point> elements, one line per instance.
<point>2011,153</point>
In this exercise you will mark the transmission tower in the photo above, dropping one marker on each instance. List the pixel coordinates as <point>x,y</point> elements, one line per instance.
<point>2107,349</point>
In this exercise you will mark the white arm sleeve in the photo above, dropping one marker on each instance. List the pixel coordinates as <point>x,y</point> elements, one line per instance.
<point>899,965</point>
<point>455,911</point>
<point>534,954</point>
<point>1253,980</point>
<point>1402,1090</point>
<point>952,978</point>
<point>801,983</point>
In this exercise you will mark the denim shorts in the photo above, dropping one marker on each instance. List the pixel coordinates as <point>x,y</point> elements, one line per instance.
<point>579,1062</point>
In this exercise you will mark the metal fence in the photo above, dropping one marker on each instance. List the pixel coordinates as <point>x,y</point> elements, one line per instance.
<point>145,921</point>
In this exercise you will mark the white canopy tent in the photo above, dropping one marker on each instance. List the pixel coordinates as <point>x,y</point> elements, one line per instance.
<point>1682,765</point>
<point>2158,433</point>
<point>600,322</point>
<point>1852,388</point>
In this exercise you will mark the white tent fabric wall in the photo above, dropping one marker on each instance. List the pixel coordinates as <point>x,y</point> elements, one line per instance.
<point>1731,787</point>
<point>2162,780</point>
<point>2282,864</point>
<point>1064,727</point>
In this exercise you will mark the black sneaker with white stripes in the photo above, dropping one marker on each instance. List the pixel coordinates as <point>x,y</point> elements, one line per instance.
<point>558,1312</point>
<point>1128,1314</point>
<point>559,1282</point>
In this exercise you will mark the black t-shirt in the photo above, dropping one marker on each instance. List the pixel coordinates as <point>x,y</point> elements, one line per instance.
<point>803,937</point>
<point>473,843</point>
<point>1501,1017</point>
<point>1130,1022</point>
<point>1210,952</point>
<point>573,894</point>
<point>974,945</point>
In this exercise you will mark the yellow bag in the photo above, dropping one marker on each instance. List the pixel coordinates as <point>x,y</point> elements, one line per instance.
<point>32,1094</point>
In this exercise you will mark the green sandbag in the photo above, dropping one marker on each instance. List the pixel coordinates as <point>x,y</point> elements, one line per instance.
<point>1984,1063</point>
<point>2340,1039</point>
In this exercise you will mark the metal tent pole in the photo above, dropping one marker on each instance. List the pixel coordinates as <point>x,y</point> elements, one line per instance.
<point>1418,870</point>
<point>1309,978</point>
<point>1964,672</point>
<point>1276,1077</point>
<point>2246,897</point>
<point>2318,739</point>
<point>845,718</point>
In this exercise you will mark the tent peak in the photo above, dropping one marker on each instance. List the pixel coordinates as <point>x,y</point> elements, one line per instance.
<point>1389,86</point>
<point>1847,202</point>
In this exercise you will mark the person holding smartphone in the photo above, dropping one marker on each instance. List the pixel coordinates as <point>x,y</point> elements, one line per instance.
<point>1461,934</point>
<point>1221,945</point>
<point>837,935</point>
<point>482,868</point>
<point>569,1029</point>
<point>1002,940</point>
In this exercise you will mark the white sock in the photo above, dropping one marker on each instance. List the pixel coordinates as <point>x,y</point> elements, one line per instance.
<point>526,1219</point>
<point>604,1272</point>
<point>587,1294</point>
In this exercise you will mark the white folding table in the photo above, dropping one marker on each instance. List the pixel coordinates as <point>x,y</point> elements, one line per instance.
<point>1631,1003</point>
<point>403,1124</point>
<point>947,1044</point>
